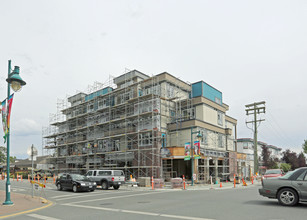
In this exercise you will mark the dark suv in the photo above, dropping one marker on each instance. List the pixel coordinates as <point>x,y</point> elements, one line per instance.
<point>74,182</point>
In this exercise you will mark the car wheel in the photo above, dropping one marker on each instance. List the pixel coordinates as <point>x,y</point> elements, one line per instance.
<point>59,187</point>
<point>74,188</point>
<point>104,185</point>
<point>116,187</point>
<point>287,197</point>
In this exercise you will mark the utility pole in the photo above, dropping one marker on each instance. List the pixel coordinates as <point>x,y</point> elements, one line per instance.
<point>255,108</point>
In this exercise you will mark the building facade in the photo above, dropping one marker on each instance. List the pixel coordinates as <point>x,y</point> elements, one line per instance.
<point>246,146</point>
<point>141,124</point>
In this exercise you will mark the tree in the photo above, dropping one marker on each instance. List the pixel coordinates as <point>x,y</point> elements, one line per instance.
<point>268,161</point>
<point>265,153</point>
<point>290,157</point>
<point>301,160</point>
<point>285,167</point>
<point>3,156</point>
<point>305,146</point>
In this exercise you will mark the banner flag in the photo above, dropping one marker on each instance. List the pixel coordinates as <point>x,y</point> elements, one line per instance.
<point>9,106</point>
<point>187,149</point>
<point>4,123</point>
<point>196,149</point>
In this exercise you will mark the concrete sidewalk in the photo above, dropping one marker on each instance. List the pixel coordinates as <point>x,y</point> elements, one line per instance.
<point>167,186</point>
<point>22,204</point>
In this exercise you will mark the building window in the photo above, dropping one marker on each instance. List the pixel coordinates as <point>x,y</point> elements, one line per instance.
<point>220,141</point>
<point>204,138</point>
<point>219,118</point>
<point>245,145</point>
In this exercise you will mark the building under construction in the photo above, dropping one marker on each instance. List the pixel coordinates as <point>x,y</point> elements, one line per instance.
<point>142,124</point>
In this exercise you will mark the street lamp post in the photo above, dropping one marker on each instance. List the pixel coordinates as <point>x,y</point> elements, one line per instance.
<point>199,136</point>
<point>15,81</point>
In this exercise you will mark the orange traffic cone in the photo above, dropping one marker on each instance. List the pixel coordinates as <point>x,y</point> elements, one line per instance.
<point>220,184</point>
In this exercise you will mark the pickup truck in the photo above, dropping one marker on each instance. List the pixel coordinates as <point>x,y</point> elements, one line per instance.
<point>107,178</point>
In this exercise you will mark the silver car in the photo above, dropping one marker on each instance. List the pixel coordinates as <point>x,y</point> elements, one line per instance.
<point>288,189</point>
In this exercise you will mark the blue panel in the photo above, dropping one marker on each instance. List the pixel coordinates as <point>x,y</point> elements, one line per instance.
<point>205,90</point>
<point>211,93</point>
<point>196,89</point>
<point>98,93</point>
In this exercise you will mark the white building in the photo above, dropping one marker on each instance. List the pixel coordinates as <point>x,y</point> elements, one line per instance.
<point>246,146</point>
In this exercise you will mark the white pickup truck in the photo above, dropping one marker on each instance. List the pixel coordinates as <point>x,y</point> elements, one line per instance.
<point>107,178</point>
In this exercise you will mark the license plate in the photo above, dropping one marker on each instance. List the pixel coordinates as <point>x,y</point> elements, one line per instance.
<point>119,183</point>
<point>90,186</point>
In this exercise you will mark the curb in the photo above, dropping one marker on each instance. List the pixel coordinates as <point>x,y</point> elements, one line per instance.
<point>31,210</point>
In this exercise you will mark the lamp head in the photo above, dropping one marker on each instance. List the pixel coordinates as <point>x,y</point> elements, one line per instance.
<point>15,80</point>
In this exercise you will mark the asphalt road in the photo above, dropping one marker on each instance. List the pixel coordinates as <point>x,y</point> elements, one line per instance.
<point>137,203</point>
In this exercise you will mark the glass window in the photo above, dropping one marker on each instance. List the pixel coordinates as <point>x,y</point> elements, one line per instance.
<point>89,173</point>
<point>118,173</point>
<point>63,177</point>
<point>273,172</point>
<point>302,176</point>
<point>219,118</point>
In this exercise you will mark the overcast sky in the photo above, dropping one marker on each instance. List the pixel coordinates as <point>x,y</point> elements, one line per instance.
<point>249,50</point>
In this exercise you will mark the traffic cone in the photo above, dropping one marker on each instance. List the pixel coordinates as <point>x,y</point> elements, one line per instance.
<point>152,183</point>
<point>220,184</point>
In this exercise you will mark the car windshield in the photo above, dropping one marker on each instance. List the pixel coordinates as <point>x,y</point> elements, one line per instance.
<point>273,172</point>
<point>78,177</point>
<point>118,173</point>
<point>287,175</point>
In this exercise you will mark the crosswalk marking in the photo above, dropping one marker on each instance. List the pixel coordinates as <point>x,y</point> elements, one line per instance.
<point>42,217</point>
<point>139,212</point>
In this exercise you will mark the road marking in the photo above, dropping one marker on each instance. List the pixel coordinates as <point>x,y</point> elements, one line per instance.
<point>117,197</point>
<point>87,195</point>
<point>42,217</point>
<point>67,195</point>
<point>138,212</point>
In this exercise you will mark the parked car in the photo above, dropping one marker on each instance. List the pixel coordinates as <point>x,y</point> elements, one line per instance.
<point>288,189</point>
<point>74,182</point>
<point>107,178</point>
<point>273,173</point>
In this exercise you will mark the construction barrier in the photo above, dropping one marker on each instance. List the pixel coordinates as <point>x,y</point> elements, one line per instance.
<point>144,181</point>
<point>158,183</point>
<point>176,183</point>
<point>39,184</point>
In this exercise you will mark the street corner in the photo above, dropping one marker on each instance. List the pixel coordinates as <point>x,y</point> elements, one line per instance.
<point>22,204</point>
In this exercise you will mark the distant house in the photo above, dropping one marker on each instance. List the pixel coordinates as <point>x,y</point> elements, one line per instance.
<point>26,165</point>
<point>246,145</point>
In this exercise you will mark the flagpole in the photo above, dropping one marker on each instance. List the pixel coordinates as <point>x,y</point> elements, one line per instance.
<point>8,184</point>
